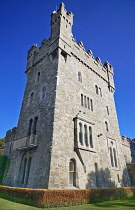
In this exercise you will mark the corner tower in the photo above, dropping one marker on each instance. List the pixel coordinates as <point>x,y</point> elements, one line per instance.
<point>61,24</point>
<point>67,134</point>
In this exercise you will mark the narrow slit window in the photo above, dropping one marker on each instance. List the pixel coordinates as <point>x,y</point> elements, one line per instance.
<point>81,99</point>
<point>79,76</point>
<point>91,104</point>
<point>30,127</point>
<point>107,108</point>
<point>111,157</point>
<point>43,92</point>
<point>100,92</point>
<point>31,97</point>
<point>85,135</point>
<point>24,170</point>
<point>35,125</point>
<point>85,102</point>
<point>90,137</point>
<point>38,77</point>
<point>106,126</point>
<point>96,174</point>
<point>96,87</point>
<point>88,102</point>
<point>115,159</point>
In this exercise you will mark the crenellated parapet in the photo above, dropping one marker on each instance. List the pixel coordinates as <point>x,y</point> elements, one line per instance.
<point>10,135</point>
<point>30,55</point>
<point>9,142</point>
<point>62,38</point>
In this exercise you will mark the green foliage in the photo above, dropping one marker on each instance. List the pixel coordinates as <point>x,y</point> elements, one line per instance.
<point>6,169</point>
<point>125,204</point>
<point>16,200</point>
<point>3,162</point>
<point>2,140</point>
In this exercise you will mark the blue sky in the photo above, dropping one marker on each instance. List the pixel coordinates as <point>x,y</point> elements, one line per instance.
<point>107,27</point>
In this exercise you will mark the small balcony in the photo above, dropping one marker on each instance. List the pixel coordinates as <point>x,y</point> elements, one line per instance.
<point>25,143</point>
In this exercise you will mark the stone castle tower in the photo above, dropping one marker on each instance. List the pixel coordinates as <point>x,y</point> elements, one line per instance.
<point>67,135</point>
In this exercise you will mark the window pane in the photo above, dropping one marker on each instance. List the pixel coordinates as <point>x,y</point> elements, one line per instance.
<point>80,134</point>
<point>88,102</point>
<point>115,159</point>
<point>81,99</point>
<point>85,135</point>
<point>90,137</point>
<point>111,157</point>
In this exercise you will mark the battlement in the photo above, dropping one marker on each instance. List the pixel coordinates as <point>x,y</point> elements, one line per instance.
<point>62,12</point>
<point>62,37</point>
<point>10,135</point>
<point>126,141</point>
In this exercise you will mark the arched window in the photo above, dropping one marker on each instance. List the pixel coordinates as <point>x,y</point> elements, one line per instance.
<point>43,92</point>
<point>72,172</point>
<point>111,157</point>
<point>80,134</point>
<point>35,125</point>
<point>106,126</point>
<point>31,97</point>
<point>115,159</point>
<point>85,135</point>
<point>96,87</point>
<point>96,174</point>
<point>79,76</point>
<point>30,127</point>
<point>38,76</point>
<point>27,171</point>
<point>90,137</point>
<point>81,99</point>
<point>24,170</point>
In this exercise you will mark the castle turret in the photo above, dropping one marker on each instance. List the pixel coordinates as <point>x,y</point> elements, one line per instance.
<point>61,23</point>
<point>110,75</point>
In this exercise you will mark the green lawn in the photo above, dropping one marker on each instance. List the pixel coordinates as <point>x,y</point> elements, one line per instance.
<point>107,205</point>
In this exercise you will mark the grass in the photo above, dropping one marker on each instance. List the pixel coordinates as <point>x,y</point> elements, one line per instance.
<point>125,204</point>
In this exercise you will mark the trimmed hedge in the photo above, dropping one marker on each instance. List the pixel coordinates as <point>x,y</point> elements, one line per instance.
<point>55,198</point>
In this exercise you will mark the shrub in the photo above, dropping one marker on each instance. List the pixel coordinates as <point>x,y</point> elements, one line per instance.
<point>57,198</point>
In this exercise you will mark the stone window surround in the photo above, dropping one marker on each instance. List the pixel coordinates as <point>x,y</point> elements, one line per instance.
<point>79,120</point>
<point>86,102</point>
<point>98,90</point>
<point>112,144</point>
<point>32,129</point>
<point>79,76</point>
<point>72,172</point>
